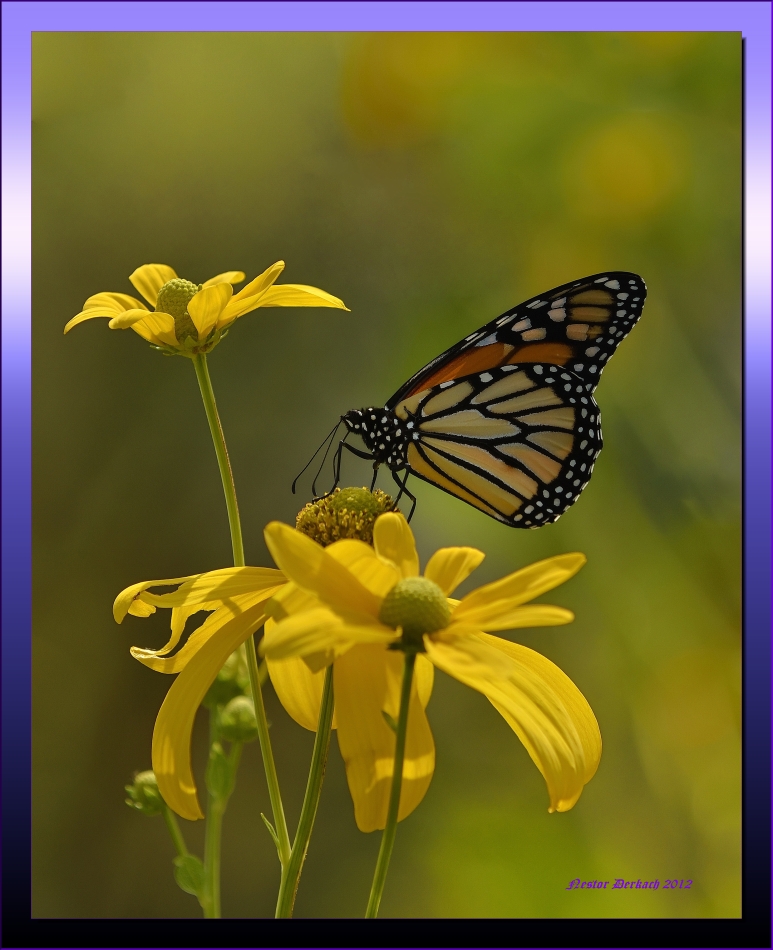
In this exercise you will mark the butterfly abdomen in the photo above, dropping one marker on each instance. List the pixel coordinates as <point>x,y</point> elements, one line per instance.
<point>385,435</point>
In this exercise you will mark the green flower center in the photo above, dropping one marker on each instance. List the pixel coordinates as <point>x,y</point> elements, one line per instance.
<point>347,513</point>
<point>417,605</point>
<point>174,296</point>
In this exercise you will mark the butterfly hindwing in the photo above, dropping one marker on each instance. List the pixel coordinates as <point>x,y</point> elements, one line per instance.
<point>517,441</point>
<point>577,326</point>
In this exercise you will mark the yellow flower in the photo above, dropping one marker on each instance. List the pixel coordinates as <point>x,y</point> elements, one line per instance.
<point>344,605</point>
<point>189,318</point>
<point>236,598</point>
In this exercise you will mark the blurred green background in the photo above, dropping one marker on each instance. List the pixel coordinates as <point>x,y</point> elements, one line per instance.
<point>432,181</point>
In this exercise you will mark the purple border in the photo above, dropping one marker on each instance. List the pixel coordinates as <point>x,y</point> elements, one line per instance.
<point>20,19</point>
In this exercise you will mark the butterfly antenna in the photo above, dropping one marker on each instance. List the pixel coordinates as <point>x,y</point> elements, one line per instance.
<point>327,438</point>
<point>331,440</point>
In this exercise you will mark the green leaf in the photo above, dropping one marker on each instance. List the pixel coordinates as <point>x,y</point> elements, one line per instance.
<point>271,831</point>
<point>189,874</point>
<point>220,773</point>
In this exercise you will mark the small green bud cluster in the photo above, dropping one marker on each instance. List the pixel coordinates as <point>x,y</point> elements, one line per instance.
<point>144,795</point>
<point>345,513</point>
<point>237,720</point>
<point>233,680</point>
<point>418,606</point>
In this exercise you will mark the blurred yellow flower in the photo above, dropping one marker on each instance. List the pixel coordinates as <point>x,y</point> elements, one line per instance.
<point>340,608</point>
<point>237,598</point>
<point>189,318</point>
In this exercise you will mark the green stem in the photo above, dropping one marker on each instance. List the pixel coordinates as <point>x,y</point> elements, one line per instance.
<point>291,873</point>
<point>388,839</point>
<point>272,780</point>
<point>229,489</point>
<point>174,831</point>
<point>223,462</point>
<point>214,827</point>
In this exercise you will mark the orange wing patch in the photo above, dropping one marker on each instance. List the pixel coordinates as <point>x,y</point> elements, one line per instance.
<point>557,353</point>
<point>475,360</point>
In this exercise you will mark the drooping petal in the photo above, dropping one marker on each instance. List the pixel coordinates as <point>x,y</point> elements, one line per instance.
<point>299,295</point>
<point>228,277</point>
<point>424,675</point>
<point>105,305</point>
<point>150,278</point>
<point>393,540</point>
<point>179,619</point>
<point>171,753</point>
<point>220,585</point>
<point>576,704</point>
<point>530,702</point>
<point>448,567</point>
<point>320,631</point>
<point>157,328</point>
<point>364,563</point>
<point>124,601</point>
<point>299,690</point>
<point>521,586</point>
<point>206,306</point>
<point>307,564</point>
<point>501,615</point>
<point>212,625</point>
<point>290,600</point>
<point>367,683</point>
<point>127,319</point>
<point>261,283</point>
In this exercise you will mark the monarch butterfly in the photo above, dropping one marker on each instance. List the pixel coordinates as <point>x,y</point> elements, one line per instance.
<point>505,419</point>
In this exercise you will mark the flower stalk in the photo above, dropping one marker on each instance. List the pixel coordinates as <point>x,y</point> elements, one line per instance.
<point>390,830</point>
<point>216,809</point>
<point>291,872</point>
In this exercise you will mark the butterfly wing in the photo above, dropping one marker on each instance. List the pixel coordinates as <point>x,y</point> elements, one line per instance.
<point>506,419</point>
<point>518,441</point>
<point>578,325</point>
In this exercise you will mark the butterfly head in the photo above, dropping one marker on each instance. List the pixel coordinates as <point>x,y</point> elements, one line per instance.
<point>383,433</point>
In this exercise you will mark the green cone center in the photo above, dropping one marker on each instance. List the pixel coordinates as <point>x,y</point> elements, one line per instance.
<point>417,605</point>
<point>175,295</point>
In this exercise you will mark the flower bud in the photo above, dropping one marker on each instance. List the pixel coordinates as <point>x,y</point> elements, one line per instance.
<point>144,794</point>
<point>232,680</point>
<point>238,722</point>
<point>418,606</point>
<point>345,513</point>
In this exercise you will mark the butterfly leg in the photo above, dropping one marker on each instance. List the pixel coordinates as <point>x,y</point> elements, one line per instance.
<point>404,491</point>
<point>337,465</point>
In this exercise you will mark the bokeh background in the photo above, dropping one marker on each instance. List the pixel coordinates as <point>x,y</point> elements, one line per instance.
<point>432,181</point>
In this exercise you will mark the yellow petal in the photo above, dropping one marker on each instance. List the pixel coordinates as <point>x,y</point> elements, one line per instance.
<point>393,540</point>
<point>179,619</point>
<point>364,563</point>
<point>367,683</point>
<point>299,295</point>
<point>128,595</point>
<point>206,306</point>
<point>523,585</point>
<point>319,630</point>
<point>261,283</point>
<point>289,600</point>
<point>424,674</point>
<point>448,567</point>
<point>212,625</point>
<point>228,277</point>
<point>150,278</point>
<point>104,305</point>
<point>172,733</point>
<point>138,609</point>
<point>127,319</point>
<point>538,702</point>
<point>299,690</point>
<point>157,328</point>
<point>220,585</point>
<point>502,615</point>
<point>307,564</point>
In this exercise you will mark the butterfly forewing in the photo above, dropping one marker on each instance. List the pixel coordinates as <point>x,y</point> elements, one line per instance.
<point>517,441</point>
<point>577,326</point>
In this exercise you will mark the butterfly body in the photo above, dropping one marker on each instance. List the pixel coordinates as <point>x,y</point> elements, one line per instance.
<point>505,419</point>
